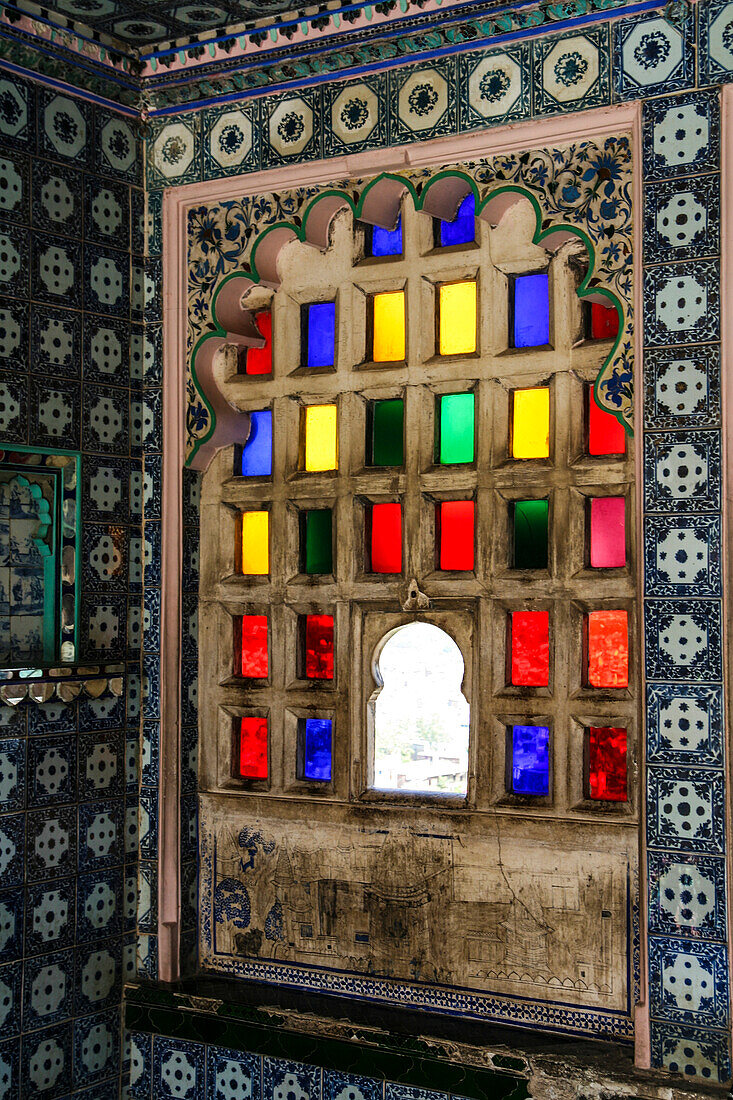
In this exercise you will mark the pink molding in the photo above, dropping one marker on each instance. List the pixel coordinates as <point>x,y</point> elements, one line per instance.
<point>177,202</point>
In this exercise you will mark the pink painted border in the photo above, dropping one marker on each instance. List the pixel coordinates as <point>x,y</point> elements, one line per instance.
<point>176,204</point>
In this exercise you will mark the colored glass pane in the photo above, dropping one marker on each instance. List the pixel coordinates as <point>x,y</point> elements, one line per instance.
<point>605,435</point>
<point>607,532</point>
<point>386,538</point>
<point>387,442</point>
<point>321,334</point>
<point>318,647</point>
<point>321,440</point>
<point>257,451</point>
<point>530,654</point>
<point>607,763</point>
<point>603,322</point>
<point>253,748</point>
<point>457,311</point>
<point>259,360</point>
<point>456,428</point>
<point>531,426</point>
<point>531,310</point>
<point>530,759</point>
<point>387,242</point>
<point>388,326</point>
<point>530,534</point>
<point>255,542</point>
<point>456,520</point>
<point>315,747</point>
<point>254,646</point>
<point>608,649</point>
<point>462,229</point>
<point>318,541</point>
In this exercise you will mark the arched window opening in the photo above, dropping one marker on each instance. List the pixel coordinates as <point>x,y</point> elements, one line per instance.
<point>420,717</point>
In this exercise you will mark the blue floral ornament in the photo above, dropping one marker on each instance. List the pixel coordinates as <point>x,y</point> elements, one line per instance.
<point>231,902</point>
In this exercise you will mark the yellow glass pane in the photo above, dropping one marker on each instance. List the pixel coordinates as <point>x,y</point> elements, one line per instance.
<point>389,327</point>
<point>457,318</point>
<point>531,435</point>
<point>255,542</point>
<point>321,440</point>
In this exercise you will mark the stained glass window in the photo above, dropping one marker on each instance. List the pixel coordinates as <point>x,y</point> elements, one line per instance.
<point>457,318</point>
<point>316,540</point>
<point>384,527</point>
<point>530,648</point>
<point>251,760</point>
<point>607,532</point>
<point>257,451</point>
<point>256,542</point>
<point>386,242</point>
<point>531,310</point>
<point>462,229</point>
<point>388,326</point>
<point>530,760</point>
<point>456,534</point>
<point>320,438</point>
<point>254,658</point>
<point>317,647</point>
<point>530,534</point>
<point>259,360</point>
<point>605,435</point>
<point>607,779</point>
<point>455,428</point>
<point>608,649</point>
<point>314,749</point>
<point>601,321</point>
<point>531,426</point>
<point>319,334</point>
<point>385,442</point>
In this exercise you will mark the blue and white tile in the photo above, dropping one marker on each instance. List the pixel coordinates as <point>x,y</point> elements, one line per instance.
<point>12,846</point>
<point>51,843</point>
<point>411,1092</point>
<point>104,623</point>
<point>692,1052</point>
<point>107,213</point>
<point>232,1075</point>
<point>682,472</point>
<point>683,639</point>
<point>687,895</point>
<point>98,977</point>
<point>689,982</point>
<point>231,139</point>
<point>494,86</point>
<point>48,984</point>
<point>100,834</point>
<point>100,765</point>
<point>106,349</point>
<point>117,146</point>
<point>106,281</point>
<point>682,219</point>
<point>174,151</point>
<point>13,408</point>
<point>147,956</point>
<point>96,1047</point>
<point>716,41</point>
<point>14,188</point>
<point>355,115</point>
<point>11,924</point>
<point>50,916</point>
<point>14,334</point>
<point>141,1065</point>
<point>106,712</point>
<point>347,1086</point>
<point>14,261</point>
<point>57,198</point>
<point>571,72</point>
<point>651,55</point>
<point>12,775</point>
<point>55,341</point>
<point>105,420</point>
<point>685,724</point>
<point>423,102</point>
<point>682,303</point>
<point>682,556</point>
<point>64,127</point>
<point>106,490</point>
<point>681,135</point>
<point>178,1069</point>
<point>686,810</point>
<point>47,1062</point>
<point>682,387</point>
<point>148,823</point>
<point>56,270</point>
<point>291,127</point>
<point>51,770</point>
<point>10,1070</point>
<point>54,408</point>
<point>99,905</point>
<point>281,1079</point>
<point>17,113</point>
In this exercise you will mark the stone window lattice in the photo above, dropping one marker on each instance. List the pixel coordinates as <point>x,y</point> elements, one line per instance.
<point>473,606</point>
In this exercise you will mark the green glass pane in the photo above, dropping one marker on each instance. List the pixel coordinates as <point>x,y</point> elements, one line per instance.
<point>318,541</point>
<point>456,428</point>
<point>530,534</point>
<point>387,433</point>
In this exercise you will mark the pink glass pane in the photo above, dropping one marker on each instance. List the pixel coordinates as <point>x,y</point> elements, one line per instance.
<point>607,532</point>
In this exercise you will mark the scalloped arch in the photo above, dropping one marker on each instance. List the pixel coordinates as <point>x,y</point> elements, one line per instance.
<point>378,203</point>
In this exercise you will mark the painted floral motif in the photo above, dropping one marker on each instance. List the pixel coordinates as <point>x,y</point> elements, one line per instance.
<point>354,113</point>
<point>231,139</point>
<point>10,109</point>
<point>653,49</point>
<point>119,144</point>
<point>65,128</point>
<point>727,36</point>
<point>173,150</point>
<point>422,99</point>
<point>494,85</point>
<point>570,68</point>
<point>587,184</point>
<point>290,127</point>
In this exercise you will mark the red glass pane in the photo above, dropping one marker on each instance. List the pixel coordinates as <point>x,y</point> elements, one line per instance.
<point>608,649</point>
<point>259,360</point>
<point>607,532</point>
<point>253,748</point>
<point>530,648</point>
<point>386,541</point>
<point>319,647</point>
<point>603,322</point>
<point>607,763</point>
<point>456,534</point>
<point>254,645</point>
<point>605,435</point>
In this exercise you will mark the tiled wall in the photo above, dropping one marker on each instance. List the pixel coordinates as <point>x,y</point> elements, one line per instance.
<point>72,359</point>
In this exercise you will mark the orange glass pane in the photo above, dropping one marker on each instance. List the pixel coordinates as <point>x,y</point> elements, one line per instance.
<point>530,652</point>
<point>608,649</point>
<point>253,748</point>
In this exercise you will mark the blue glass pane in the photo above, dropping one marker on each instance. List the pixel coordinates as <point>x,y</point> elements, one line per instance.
<point>257,451</point>
<point>531,311</point>
<point>387,242</point>
<point>321,334</point>
<point>530,759</point>
<point>317,749</point>
<point>462,230</point>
